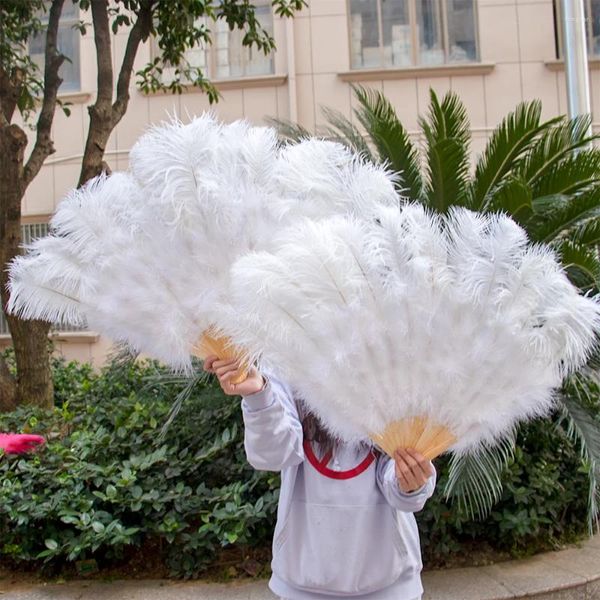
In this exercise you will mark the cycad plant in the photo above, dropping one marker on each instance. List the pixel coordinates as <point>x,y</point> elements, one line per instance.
<point>546,175</point>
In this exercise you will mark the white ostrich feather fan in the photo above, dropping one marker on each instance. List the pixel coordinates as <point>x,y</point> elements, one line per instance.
<point>144,256</point>
<point>414,330</point>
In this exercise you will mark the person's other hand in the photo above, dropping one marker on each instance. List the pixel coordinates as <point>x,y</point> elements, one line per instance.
<point>412,469</point>
<point>228,370</point>
<point>19,443</point>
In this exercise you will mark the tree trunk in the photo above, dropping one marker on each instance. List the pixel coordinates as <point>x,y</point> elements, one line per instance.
<point>99,132</point>
<point>34,376</point>
<point>30,338</point>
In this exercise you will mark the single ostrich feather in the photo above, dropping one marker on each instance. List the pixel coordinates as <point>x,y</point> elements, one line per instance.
<point>412,329</point>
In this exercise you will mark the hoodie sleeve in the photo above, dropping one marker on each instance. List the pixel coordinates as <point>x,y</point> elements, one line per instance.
<point>388,484</point>
<point>272,429</point>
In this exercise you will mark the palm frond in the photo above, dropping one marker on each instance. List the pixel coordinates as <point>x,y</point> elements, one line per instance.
<point>572,175</point>
<point>394,146</point>
<point>570,213</point>
<point>553,146</point>
<point>581,263</point>
<point>288,130</point>
<point>579,419</point>
<point>592,368</point>
<point>513,197</point>
<point>447,138</point>
<point>341,129</point>
<point>122,356</point>
<point>544,204</point>
<point>188,385</point>
<point>474,480</point>
<point>510,141</point>
<point>588,233</point>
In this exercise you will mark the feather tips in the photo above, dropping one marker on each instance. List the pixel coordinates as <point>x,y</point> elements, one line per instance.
<point>381,320</point>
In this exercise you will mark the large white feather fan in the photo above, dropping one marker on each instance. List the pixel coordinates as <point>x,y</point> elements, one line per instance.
<point>414,330</point>
<point>144,256</point>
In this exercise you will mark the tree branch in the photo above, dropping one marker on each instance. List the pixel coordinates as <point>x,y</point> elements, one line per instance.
<point>102,41</point>
<point>43,142</point>
<point>139,32</point>
<point>9,94</point>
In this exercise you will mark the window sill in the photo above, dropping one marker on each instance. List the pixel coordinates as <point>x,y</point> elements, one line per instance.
<point>417,72</point>
<point>88,337</point>
<point>250,82</point>
<point>559,65</point>
<point>232,84</point>
<point>74,97</point>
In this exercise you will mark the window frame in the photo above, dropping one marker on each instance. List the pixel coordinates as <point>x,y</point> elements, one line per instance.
<point>64,23</point>
<point>210,70</point>
<point>414,38</point>
<point>558,30</point>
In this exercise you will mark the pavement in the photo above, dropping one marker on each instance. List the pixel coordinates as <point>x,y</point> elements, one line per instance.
<point>572,574</point>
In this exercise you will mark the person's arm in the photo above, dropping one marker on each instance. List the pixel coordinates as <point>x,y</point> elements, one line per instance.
<point>272,429</point>
<point>406,482</point>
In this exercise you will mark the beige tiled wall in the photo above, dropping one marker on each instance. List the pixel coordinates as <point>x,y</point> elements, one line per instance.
<point>516,37</point>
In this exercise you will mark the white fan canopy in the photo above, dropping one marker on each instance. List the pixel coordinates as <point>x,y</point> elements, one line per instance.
<point>144,256</point>
<point>382,316</point>
<point>457,321</point>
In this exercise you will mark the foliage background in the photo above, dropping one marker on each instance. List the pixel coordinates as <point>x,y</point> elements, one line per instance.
<point>108,483</point>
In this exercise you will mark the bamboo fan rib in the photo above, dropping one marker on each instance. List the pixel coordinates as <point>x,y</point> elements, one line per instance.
<point>211,344</point>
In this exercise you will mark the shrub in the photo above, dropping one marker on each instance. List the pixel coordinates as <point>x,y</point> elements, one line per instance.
<point>107,480</point>
<point>543,504</point>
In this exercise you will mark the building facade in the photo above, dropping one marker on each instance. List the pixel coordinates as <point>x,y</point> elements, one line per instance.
<point>493,53</point>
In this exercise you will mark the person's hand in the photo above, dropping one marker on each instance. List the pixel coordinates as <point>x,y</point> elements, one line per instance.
<point>412,469</point>
<point>19,443</point>
<point>228,370</point>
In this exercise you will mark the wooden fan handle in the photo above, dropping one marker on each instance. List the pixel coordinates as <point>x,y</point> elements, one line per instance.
<point>221,347</point>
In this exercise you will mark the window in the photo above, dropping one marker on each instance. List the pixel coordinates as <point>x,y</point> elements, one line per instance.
<point>30,232</point>
<point>68,44</point>
<point>592,25</point>
<point>403,33</point>
<point>227,57</point>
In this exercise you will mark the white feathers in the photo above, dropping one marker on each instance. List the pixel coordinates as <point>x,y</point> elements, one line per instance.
<point>303,256</point>
<point>458,320</point>
<point>144,256</point>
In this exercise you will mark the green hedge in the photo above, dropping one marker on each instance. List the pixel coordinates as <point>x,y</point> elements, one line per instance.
<point>107,481</point>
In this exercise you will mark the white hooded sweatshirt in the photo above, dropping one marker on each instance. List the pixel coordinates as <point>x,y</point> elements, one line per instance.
<point>344,528</point>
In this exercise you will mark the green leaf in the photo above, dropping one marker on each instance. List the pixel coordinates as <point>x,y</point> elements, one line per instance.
<point>577,172</point>
<point>582,426</point>
<point>51,544</point>
<point>97,526</point>
<point>289,131</point>
<point>377,115</point>
<point>546,204</point>
<point>515,136</point>
<point>581,263</point>
<point>474,479</point>
<point>551,225</point>
<point>554,145</point>
<point>447,136</point>
<point>341,129</point>
<point>513,197</point>
<point>231,537</point>
<point>588,233</point>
